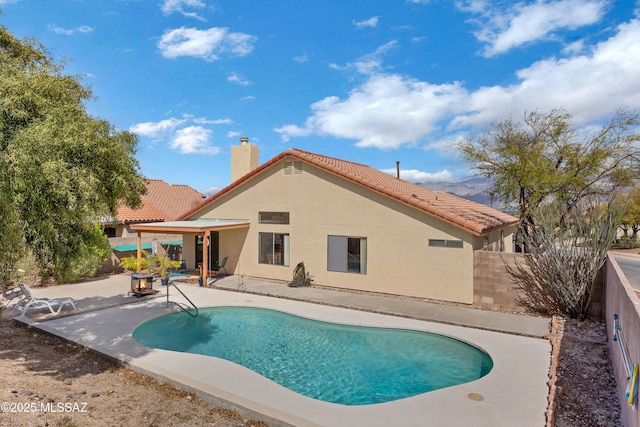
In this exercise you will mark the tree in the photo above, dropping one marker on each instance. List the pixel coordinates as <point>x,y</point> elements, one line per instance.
<point>61,170</point>
<point>544,159</point>
<point>560,276</point>
<point>631,219</point>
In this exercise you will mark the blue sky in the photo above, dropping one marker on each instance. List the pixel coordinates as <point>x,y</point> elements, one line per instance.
<point>366,81</point>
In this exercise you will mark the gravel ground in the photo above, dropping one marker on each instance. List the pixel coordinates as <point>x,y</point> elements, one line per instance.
<point>585,387</point>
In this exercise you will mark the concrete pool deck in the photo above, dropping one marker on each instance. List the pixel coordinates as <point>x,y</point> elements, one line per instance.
<point>515,391</point>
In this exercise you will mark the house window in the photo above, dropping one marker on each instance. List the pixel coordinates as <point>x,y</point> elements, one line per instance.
<point>273,217</point>
<point>347,254</point>
<point>110,231</point>
<point>435,243</point>
<point>293,167</point>
<point>274,249</point>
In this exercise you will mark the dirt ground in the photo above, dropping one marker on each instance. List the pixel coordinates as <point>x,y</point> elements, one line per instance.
<point>45,381</point>
<point>50,382</point>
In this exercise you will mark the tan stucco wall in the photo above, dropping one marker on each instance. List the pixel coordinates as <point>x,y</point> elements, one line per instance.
<point>399,260</point>
<point>189,250</point>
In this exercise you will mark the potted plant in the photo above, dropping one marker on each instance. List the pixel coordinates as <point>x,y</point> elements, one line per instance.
<point>162,265</point>
<point>131,263</point>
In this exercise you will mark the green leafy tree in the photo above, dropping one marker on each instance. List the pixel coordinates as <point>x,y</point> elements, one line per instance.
<point>543,159</point>
<point>61,170</point>
<point>631,218</point>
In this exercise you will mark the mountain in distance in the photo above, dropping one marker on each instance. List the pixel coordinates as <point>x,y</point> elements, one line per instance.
<point>474,189</point>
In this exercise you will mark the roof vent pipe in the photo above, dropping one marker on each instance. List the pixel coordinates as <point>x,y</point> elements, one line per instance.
<point>398,169</point>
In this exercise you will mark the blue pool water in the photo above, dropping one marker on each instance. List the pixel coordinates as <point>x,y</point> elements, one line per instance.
<point>350,365</point>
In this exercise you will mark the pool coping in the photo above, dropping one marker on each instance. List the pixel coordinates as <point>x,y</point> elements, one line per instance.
<point>515,389</point>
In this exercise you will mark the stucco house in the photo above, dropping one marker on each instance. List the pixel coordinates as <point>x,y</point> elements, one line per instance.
<point>353,226</point>
<point>162,202</point>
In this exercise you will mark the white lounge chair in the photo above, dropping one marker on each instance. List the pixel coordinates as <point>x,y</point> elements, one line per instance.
<point>28,301</point>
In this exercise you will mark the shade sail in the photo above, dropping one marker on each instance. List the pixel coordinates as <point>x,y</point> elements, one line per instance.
<point>134,247</point>
<point>173,243</point>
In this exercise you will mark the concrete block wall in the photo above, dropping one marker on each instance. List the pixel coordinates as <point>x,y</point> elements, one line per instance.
<point>492,285</point>
<point>494,289</point>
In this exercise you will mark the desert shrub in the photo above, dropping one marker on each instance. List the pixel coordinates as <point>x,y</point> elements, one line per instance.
<point>629,242</point>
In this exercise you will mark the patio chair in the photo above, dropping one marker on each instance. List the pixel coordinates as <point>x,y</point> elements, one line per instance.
<point>12,293</point>
<point>28,301</point>
<point>221,266</point>
<point>15,296</point>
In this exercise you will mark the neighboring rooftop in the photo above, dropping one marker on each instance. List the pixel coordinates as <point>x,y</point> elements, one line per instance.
<point>163,202</point>
<point>472,217</point>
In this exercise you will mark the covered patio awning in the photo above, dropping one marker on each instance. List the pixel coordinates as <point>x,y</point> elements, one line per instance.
<point>196,226</point>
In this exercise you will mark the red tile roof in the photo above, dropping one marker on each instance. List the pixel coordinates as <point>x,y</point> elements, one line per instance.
<point>163,202</point>
<point>469,216</point>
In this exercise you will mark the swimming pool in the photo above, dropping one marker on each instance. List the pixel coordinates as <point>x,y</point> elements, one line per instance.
<point>349,365</point>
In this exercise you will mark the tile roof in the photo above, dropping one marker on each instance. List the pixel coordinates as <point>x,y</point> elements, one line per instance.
<point>469,216</point>
<point>163,202</point>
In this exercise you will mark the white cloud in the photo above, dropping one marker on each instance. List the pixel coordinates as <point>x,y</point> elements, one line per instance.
<point>589,86</point>
<point>447,144</point>
<point>574,48</point>
<point>186,140</point>
<point>385,112</point>
<point>292,131</point>
<point>84,29</point>
<point>193,140</point>
<point>369,63</point>
<point>206,44</point>
<point>301,59</point>
<point>172,6</point>
<point>526,23</point>
<point>155,129</point>
<point>416,176</point>
<point>204,121</point>
<point>371,22</point>
<point>391,110</point>
<point>473,6</point>
<point>210,191</point>
<point>238,79</point>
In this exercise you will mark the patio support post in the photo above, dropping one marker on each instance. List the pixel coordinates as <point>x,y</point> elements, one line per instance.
<point>139,253</point>
<point>205,255</point>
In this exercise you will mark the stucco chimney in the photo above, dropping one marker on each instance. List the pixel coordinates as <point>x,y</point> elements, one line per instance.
<point>244,158</point>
